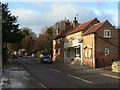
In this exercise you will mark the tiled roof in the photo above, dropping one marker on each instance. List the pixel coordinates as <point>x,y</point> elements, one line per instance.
<point>81,27</point>
<point>94,28</point>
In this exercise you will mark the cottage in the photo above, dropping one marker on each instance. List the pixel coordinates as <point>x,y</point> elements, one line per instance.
<point>92,43</point>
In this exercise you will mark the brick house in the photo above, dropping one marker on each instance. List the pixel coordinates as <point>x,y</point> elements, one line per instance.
<point>92,43</point>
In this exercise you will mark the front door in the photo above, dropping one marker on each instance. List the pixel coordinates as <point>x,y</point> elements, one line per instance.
<point>77,53</point>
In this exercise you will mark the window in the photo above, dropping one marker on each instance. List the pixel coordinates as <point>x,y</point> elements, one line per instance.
<point>54,51</point>
<point>107,33</point>
<point>77,35</point>
<point>69,38</point>
<point>106,51</point>
<point>54,42</point>
<point>59,51</point>
<point>88,53</point>
<point>58,40</point>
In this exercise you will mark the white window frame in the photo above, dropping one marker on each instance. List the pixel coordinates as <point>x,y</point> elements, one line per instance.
<point>106,33</point>
<point>59,51</point>
<point>54,51</point>
<point>70,38</point>
<point>77,35</point>
<point>107,51</point>
<point>54,42</point>
<point>58,40</point>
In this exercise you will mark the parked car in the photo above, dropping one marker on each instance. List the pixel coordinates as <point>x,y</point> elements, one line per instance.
<point>15,56</point>
<point>45,59</point>
<point>20,55</point>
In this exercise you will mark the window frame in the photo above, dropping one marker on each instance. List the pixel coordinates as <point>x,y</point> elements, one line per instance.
<point>69,37</point>
<point>59,51</point>
<point>55,42</point>
<point>54,51</point>
<point>108,51</point>
<point>59,40</point>
<point>77,35</point>
<point>106,33</point>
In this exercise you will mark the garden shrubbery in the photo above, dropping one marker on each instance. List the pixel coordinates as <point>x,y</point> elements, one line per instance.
<point>116,66</point>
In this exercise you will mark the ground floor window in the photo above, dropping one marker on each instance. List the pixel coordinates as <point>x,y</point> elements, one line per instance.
<point>106,51</point>
<point>77,53</point>
<point>73,52</point>
<point>67,53</point>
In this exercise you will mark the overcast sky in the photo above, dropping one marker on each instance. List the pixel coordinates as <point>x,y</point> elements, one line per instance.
<point>37,15</point>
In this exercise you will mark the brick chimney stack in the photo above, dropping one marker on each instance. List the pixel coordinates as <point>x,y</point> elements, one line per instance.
<point>67,24</point>
<point>58,31</point>
<point>75,23</point>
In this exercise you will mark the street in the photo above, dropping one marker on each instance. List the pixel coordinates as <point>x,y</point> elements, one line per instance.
<point>61,76</point>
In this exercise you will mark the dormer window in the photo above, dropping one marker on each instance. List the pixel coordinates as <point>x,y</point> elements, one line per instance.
<point>58,40</point>
<point>107,33</point>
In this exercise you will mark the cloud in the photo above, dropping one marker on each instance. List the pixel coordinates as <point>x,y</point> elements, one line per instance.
<point>48,15</point>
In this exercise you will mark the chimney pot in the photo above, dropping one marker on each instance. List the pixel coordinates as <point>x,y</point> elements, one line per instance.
<point>75,23</point>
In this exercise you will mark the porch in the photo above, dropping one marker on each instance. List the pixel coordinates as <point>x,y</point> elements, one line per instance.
<point>73,52</point>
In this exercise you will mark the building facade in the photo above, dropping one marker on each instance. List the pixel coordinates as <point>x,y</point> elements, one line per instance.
<point>92,43</point>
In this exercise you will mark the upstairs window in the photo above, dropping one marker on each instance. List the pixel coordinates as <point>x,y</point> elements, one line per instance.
<point>77,35</point>
<point>69,38</point>
<point>54,51</point>
<point>54,42</point>
<point>59,51</point>
<point>106,51</point>
<point>58,40</point>
<point>107,33</point>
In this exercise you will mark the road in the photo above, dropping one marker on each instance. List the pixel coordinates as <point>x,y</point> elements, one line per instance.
<point>61,76</point>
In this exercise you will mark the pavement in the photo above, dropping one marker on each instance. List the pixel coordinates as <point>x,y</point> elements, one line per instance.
<point>15,76</point>
<point>59,75</point>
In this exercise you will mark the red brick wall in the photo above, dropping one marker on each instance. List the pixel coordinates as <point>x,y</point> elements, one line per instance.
<point>89,40</point>
<point>60,45</point>
<point>101,44</point>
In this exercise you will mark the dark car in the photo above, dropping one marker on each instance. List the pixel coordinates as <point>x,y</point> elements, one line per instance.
<point>20,55</point>
<point>45,59</point>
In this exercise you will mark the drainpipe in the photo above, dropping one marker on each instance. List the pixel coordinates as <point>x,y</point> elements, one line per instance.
<point>81,55</point>
<point>92,55</point>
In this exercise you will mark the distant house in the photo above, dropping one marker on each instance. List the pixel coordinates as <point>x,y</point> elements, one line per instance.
<point>92,43</point>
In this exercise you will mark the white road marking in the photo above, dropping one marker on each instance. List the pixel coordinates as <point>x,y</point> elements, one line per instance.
<point>111,76</point>
<point>55,70</point>
<point>43,85</point>
<point>79,78</point>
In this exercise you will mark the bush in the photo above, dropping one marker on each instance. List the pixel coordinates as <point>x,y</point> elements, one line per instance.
<point>38,52</point>
<point>116,66</point>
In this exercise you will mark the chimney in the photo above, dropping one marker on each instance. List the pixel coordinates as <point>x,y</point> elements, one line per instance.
<point>75,23</point>
<point>58,31</point>
<point>67,24</point>
<point>113,26</point>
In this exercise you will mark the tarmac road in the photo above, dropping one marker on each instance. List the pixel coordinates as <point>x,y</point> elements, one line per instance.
<point>61,76</point>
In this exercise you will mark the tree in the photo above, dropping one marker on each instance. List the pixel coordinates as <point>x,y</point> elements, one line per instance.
<point>10,30</point>
<point>50,31</point>
<point>10,27</point>
<point>13,47</point>
<point>44,43</point>
<point>27,43</point>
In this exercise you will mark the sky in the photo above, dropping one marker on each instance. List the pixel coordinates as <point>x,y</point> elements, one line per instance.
<point>37,15</point>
